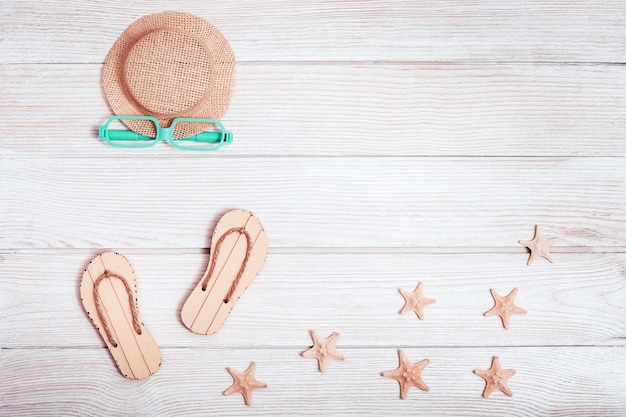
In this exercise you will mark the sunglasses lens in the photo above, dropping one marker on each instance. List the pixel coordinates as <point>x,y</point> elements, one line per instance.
<point>197,135</point>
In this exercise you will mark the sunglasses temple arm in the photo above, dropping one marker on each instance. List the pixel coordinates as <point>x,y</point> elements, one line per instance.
<point>114,134</point>
<point>213,137</point>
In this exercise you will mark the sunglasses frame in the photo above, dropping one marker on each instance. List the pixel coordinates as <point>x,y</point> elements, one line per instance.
<point>165,134</point>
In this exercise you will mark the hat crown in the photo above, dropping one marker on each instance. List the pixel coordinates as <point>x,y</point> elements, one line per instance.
<point>168,72</point>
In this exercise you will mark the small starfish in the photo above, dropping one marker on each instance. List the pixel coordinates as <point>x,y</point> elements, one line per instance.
<point>539,246</point>
<point>504,307</point>
<point>408,374</point>
<point>323,349</point>
<point>244,383</point>
<point>495,378</point>
<point>415,301</point>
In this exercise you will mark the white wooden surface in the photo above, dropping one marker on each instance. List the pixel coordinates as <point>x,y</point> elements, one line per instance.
<point>381,143</point>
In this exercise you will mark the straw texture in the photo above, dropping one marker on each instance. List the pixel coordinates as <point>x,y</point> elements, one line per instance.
<point>169,65</point>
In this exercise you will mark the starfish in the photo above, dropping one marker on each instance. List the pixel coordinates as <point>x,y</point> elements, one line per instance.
<point>244,383</point>
<point>408,374</point>
<point>495,378</point>
<point>323,349</point>
<point>539,246</point>
<point>415,301</point>
<point>504,307</point>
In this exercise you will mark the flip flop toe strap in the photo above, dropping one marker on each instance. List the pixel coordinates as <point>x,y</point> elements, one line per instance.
<point>100,308</point>
<point>215,253</point>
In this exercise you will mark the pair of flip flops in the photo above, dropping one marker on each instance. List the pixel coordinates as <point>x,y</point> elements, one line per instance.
<point>108,292</point>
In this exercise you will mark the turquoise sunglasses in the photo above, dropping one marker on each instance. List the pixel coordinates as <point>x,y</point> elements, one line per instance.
<point>204,141</point>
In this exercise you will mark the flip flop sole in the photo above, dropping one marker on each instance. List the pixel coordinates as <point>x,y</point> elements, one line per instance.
<point>238,250</point>
<point>108,291</point>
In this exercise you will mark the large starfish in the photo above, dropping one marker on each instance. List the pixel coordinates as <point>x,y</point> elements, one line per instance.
<point>504,307</point>
<point>323,349</point>
<point>539,246</point>
<point>495,378</point>
<point>244,383</point>
<point>408,374</point>
<point>415,301</point>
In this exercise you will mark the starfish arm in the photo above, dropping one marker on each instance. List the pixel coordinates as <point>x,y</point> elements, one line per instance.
<point>428,301</point>
<point>321,362</point>
<point>519,310</point>
<point>419,290</point>
<point>551,241</point>
<point>332,339</point>
<point>497,302</point>
<point>422,385</point>
<point>237,376</point>
<point>530,244</point>
<point>484,375</point>
<point>488,390</point>
<point>407,304</point>
<point>316,338</point>
<point>505,389</point>
<point>310,353</point>
<point>313,352</point>
<point>507,373</point>
<point>393,374</point>
<point>404,360</point>
<point>419,367</point>
<point>231,390</point>
<point>419,312</point>
<point>397,375</point>
<point>247,397</point>
<point>258,384</point>
<point>332,348</point>
<point>404,390</point>
<point>492,312</point>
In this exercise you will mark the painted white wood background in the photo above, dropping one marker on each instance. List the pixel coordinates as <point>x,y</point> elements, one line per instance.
<point>381,143</point>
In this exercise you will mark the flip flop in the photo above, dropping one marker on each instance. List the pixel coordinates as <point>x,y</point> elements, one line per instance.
<point>108,291</point>
<point>238,251</point>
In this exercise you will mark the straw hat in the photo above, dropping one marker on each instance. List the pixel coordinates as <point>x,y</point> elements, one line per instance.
<point>169,65</point>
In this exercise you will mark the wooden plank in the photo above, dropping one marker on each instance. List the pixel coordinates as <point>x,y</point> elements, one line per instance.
<point>577,301</point>
<point>315,202</point>
<point>548,381</point>
<point>348,109</point>
<point>487,30</point>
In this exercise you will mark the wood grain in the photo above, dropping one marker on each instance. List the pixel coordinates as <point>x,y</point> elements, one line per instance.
<point>54,31</point>
<point>548,382</point>
<point>380,143</point>
<point>441,109</point>
<point>580,300</point>
<point>314,202</point>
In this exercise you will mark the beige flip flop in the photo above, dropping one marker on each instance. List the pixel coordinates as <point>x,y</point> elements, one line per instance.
<point>238,251</point>
<point>108,291</point>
